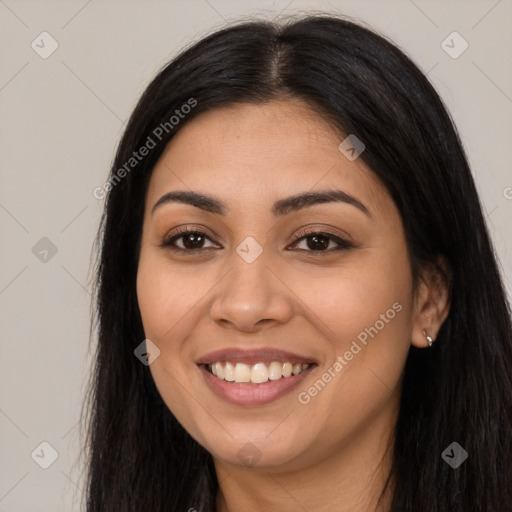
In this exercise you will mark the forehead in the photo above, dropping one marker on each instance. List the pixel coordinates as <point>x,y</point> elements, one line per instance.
<point>252,153</point>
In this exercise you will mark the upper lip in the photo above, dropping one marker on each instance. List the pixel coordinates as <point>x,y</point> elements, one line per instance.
<point>253,356</point>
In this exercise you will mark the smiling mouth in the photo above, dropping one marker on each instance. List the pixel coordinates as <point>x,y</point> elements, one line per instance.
<point>258,373</point>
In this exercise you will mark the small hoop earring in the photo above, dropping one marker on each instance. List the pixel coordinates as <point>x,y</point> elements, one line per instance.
<point>429,339</point>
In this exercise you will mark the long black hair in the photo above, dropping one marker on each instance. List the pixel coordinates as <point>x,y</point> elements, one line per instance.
<point>139,457</point>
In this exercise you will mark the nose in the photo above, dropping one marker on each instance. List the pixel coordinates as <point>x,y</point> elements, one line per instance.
<point>251,297</point>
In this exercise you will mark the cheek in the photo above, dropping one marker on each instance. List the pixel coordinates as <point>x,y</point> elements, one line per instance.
<point>363,295</point>
<point>167,302</point>
<point>165,298</point>
<point>368,313</point>
<point>171,303</point>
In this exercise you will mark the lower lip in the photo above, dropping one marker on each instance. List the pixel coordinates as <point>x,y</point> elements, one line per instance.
<point>253,394</point>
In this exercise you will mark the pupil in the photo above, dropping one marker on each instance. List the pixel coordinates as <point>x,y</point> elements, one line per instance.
<point>319,242</point>
<point>195,240</point>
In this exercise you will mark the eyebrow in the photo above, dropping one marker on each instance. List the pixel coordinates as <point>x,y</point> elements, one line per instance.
<point>281,207</point>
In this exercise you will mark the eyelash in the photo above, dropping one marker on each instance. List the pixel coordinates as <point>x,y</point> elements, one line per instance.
<point>342,243</point>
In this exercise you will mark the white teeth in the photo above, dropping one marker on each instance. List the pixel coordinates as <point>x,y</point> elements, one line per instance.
<point>219,370</point>
<point>287,369</point>
<point>229,372</point>
<point>274,370</point>
<point>297,369</point>
<point>257,373</point>
<point>242,372</point>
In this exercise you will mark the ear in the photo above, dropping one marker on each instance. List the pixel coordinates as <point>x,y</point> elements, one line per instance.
<point>432,302</point>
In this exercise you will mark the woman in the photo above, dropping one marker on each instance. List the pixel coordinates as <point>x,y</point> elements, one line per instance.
<point>298,303</point>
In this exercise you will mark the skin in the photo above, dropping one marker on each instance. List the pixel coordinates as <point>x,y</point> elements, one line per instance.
<point>331,450</point>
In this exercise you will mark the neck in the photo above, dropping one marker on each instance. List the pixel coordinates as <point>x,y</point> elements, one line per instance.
<point>350,479</point>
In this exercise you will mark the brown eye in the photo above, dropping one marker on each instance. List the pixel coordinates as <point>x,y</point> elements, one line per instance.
<point>187,240</point>
<point>193,240</point>
<point>317,242</point>
<point>321,242</point>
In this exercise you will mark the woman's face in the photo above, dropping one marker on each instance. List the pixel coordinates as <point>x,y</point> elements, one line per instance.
<point>253,294</point>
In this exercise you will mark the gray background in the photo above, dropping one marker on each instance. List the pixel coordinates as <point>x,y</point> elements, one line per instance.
<point>61,119</point>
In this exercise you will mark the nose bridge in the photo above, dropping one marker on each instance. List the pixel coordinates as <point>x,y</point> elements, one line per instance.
<point>250,293</point>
